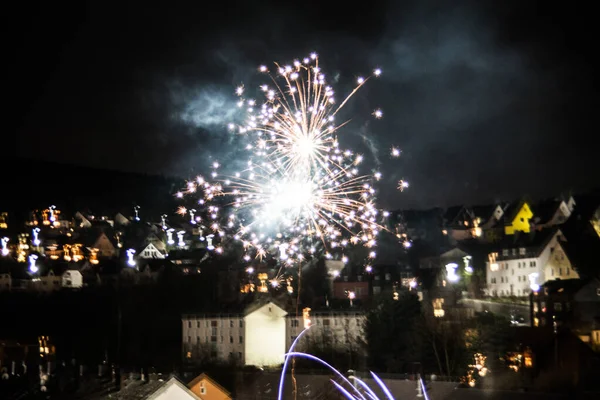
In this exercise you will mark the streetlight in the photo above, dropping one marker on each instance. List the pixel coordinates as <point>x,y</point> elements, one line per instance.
<point>5,246</point>
<point>32,267</point>
<point>130,260</point>
<point>451,272</point>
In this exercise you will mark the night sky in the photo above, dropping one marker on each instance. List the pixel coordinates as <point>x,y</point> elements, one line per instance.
<point>489,100</point>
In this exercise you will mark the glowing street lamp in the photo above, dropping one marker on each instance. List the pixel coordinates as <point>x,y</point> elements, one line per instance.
<point>468,267</point>
<point>5,246</point>
<point>180,241</point>
<point>283,251</point>
<point>136,211</point>
<point>533,284</point>
<point>192,220</point>
<point>130,260</point>
<point>52,217</point>
<point>32,267</point>
<point>351,296</point>
<point>451,272</point>
<point>209,242</point>
<point>36,237</point>
<point>163,219</point>
<point>170,240</point>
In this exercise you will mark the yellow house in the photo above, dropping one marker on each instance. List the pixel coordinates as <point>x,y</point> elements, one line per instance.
<point>207,389</point>
<point>519,220</point>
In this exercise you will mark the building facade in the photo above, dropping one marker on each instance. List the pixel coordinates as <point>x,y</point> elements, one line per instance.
<point>262,334</point>
<point>517,266</point>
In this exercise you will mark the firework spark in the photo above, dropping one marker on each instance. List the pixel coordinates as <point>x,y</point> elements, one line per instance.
<point>299,189</point>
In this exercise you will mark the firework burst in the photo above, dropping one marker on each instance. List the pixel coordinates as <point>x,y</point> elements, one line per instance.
<point>299,191</point>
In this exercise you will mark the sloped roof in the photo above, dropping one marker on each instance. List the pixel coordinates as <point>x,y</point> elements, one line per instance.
<point>484,212</point>
<point>544,210</point>
<point>451,214</point>
<point>138,390</point>
<point>534,240</point>
<point>203,376</point>
<point>566,285</point>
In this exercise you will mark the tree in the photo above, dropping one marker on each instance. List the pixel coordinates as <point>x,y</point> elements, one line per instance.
<point>392,334</point>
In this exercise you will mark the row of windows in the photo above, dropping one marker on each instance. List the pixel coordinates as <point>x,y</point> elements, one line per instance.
<point>294,323</point>
<point>507,252</point>
<point>213,339</point>
<point>524,264</point>
<point>215,323</point>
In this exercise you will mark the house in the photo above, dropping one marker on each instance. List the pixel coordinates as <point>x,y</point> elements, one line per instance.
<point>72,278</point>
<point>151,251</point>
<point>50,281</point>
<point>105,246</point>
<point>153,390</point>
<point>207,389</point>
<point>345,285</point>
<point>572,304</point>
<point>553,212</point>
<point>82,220</point>
<point>518,218</point>
<point>463,223</point>
<point>255,336</point>
<point>120,219</point>
<point>525,260</point>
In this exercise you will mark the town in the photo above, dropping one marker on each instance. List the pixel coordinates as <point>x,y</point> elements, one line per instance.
<point>503,296</point>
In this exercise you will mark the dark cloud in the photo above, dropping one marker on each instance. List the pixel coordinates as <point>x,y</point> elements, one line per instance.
<point>488,100</point>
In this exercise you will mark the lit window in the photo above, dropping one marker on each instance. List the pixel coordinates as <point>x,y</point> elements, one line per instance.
<point>202,388</point>
<point>189,354</point>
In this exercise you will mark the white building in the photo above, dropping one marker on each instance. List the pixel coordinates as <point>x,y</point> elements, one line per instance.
<point>150,251</point>
<point>262,334</point>
<point>530,260</point>
<point>72,279</point>
<point>337,329</point>
<point>254,337</point>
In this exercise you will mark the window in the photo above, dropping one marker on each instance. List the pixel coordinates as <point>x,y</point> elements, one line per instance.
<point>231,324</point>
<point>514,252</point>
<point>568,271</point>
<point>198,339</point>
<point>230,339</point>
<point>214,331</point>
<point>207,324</point>
<point>294,323</point>
<point>213,339</point>
<point>213,323</point>
<point>198,324</point>
<point>241,339</point>
<point>505,252</point>
<point>270,309</point>
<point>534,264</point>
<point>241,323</point>
<point>326,322</point>
<point>189,324</point>
<point>557,306</point>
<point>202,388</point>
<point>522,251</point>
